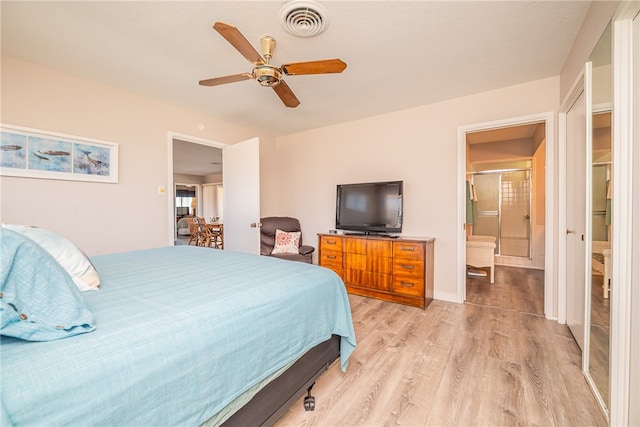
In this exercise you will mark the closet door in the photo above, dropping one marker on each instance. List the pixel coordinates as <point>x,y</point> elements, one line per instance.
<point>576,199</point>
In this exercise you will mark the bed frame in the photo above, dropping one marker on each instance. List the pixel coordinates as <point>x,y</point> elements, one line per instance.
<point>270,403</point>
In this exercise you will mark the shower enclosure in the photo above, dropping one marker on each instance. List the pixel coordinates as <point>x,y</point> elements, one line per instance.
<point>503,209</point>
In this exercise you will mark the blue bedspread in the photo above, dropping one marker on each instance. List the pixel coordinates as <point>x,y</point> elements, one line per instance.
<point>180,332</point>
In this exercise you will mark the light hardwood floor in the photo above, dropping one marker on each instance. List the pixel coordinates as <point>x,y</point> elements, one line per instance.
<point>452,364</point>
<point>519,289</point>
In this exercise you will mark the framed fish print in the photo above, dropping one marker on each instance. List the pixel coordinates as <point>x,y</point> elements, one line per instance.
<point>35,153</point>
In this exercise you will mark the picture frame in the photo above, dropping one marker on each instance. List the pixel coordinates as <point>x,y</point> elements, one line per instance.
<point>36,153</point>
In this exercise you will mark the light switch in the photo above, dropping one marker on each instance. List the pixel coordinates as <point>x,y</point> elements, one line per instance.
<point>161,190</point>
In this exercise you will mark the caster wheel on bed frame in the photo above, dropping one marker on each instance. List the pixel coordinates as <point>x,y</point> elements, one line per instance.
<point>309,401</point>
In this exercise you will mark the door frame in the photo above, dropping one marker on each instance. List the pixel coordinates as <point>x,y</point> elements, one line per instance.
<point>549,266</point>
<point>625,215</point>
<point>577,89</point>
<point>171,187</point>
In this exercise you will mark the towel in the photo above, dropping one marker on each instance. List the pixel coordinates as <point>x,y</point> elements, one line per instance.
<point>471,205</point>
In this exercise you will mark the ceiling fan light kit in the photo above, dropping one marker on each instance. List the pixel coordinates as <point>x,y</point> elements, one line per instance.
<point>304,18</point>
<point>266,74</point>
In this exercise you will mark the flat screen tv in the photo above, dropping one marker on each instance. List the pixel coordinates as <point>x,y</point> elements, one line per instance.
<point>374,207</point>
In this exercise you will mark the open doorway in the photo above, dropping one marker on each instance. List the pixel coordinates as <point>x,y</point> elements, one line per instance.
<point>196,172</point>
<point>505,220</point>
<point>186,197</point>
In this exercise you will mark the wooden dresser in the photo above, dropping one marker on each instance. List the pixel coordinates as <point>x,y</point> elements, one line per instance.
<point>398,270</point>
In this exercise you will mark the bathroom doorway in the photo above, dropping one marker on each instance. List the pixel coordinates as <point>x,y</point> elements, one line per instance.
<point>505,170</point>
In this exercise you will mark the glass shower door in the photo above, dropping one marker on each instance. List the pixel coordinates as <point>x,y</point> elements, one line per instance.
<point>503,200</point>
<point>487,195</point>
<point>515,229</point>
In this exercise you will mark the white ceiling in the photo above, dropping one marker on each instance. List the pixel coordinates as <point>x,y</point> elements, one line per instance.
<point>400,54</point>
<point>196,159</point>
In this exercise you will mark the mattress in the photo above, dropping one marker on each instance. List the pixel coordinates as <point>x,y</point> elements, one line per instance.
<point>181,332</point>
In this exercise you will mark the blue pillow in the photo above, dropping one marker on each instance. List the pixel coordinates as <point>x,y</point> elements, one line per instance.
<point>38,299</point>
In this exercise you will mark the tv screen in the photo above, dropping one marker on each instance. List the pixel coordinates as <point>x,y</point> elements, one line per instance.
<point>370,207</point>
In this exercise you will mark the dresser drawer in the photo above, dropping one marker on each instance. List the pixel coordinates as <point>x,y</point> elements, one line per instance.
<point>408,286</point>
<point>330,243</point>
<point>408,250</point>
<point>408,268</point>
<point>368,279</point>
<point>331,258</point>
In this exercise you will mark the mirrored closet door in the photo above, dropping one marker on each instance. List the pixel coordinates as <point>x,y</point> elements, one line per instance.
<point>599,281</point>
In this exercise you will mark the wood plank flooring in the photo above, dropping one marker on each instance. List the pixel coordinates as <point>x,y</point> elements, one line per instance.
<point>514,288</point>
<point>452,364</point>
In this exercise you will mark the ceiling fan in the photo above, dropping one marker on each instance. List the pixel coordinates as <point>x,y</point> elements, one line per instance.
<point>263,72</point>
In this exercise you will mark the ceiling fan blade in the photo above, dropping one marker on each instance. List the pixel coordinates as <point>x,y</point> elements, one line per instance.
<point>314,67</point>
<point>226,79</point>
<point>237,40</point>
<point>286,95</point>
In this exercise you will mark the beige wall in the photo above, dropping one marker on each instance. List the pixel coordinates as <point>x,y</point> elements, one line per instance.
<point>180,178</point>
<point>539,204</point>
<point>500,150</point>
<point>594,24</point>
<point>418,146</point>
<point>103,218</point>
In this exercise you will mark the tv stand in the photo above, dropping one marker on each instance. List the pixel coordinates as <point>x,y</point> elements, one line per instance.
<point>398,270</point>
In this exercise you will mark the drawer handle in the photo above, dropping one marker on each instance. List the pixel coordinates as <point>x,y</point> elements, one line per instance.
<point>407,248</point>
<point>406,284</point>
<point>331,242</point>
<point>331,256</point>
<point>408,267</point>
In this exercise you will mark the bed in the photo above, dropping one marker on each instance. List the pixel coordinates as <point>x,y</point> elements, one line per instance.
<point>178,336</point>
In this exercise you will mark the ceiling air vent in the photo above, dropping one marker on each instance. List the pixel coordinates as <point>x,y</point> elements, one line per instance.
<point>304,18</point>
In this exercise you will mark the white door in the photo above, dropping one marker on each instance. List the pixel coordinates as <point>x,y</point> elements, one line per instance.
<point>241,182</point>
<point>576,199</point>
<point>209,201</point>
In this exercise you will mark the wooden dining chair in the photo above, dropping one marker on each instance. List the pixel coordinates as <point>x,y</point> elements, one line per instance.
<point>216,236</point>
<point>193,231</point>
<point>202,231</point>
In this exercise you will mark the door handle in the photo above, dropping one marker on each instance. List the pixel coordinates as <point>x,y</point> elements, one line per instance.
<point>256,224</point>
<point>570,231</point>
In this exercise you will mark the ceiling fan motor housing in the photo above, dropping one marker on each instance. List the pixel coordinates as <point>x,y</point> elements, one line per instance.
<point>267,75</point>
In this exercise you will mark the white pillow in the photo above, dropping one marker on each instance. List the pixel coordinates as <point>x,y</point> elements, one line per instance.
<point>286,242</point>
<point>68,255</point>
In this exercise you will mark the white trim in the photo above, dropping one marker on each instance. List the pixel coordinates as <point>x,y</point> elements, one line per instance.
<point>171,188</point>
<point>561,256</point>
<point>461,274</point>
<point>634,331</point>
<point>622,213</point>
<point>549,286</point>
<point>588,169</point>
